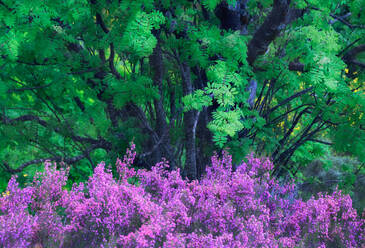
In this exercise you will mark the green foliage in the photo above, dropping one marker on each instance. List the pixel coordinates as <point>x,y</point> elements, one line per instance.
<point>137,37</point>
<point>80,79</point>
<point>334,171</point>
<point>211,4</point>
<point>225,124</point>
<point>197,101</point>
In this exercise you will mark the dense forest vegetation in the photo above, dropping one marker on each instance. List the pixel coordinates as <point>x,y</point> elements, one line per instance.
<point>81,81</point>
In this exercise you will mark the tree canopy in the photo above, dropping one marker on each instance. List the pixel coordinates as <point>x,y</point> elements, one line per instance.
<point>82,78</point>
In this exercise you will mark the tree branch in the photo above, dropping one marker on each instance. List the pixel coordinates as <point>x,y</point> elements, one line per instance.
<point>105,144</point>
<point>24,118</point>
<point>6,6</point>
<point>276,21</point>
<point>287,100</point>
<point>296,66</point>
<point>348,46</point>
<point>351,54</point>
<point>67,160</point>
<point>341,19</point>
<point>358,63</point>
<point>99,20</point>
<point>111,62</point>
<point>321,141</point>
<point>29,88</point>
<point>288,112</point>
<point>287,134</point>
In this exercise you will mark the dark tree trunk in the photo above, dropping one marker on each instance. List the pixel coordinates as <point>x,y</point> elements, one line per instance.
<point>204,143</point>
<point>165,149</point>
<point>279,17</point>
<point>233,16</point>
<point>190,118</point>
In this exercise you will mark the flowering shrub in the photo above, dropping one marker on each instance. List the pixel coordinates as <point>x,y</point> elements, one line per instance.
<point>244,208</point>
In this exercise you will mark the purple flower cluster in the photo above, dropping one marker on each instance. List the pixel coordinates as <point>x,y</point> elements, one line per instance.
<point>244,208</point>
